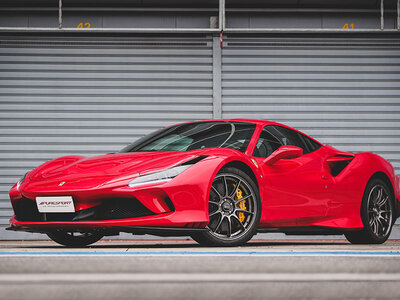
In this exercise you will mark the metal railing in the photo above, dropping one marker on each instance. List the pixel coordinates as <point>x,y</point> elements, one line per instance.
<point>221,11</point>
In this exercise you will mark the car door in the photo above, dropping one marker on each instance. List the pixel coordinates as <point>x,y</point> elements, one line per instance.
<point>295,190</point>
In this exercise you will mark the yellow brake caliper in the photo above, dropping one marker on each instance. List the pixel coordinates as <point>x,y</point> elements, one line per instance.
<point>242,204</point>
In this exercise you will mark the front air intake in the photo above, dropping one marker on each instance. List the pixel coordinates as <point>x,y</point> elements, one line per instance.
<point>111,209</point>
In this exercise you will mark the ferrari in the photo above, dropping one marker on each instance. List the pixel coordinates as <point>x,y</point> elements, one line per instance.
<point>218,181</point>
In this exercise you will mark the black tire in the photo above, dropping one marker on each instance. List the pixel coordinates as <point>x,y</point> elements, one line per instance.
<point>233,217</point>
<point>74,239</point>
<point>376,213</point>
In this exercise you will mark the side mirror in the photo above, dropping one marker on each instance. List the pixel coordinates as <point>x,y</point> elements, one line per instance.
<point>283,152</point>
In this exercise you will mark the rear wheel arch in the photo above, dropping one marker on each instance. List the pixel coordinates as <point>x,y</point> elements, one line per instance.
<point>385,178</point>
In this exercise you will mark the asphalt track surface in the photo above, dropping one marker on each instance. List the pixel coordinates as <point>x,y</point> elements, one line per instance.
<point>180,269</point>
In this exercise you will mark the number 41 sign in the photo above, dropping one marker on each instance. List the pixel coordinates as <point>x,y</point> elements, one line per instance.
<point>346,26</point>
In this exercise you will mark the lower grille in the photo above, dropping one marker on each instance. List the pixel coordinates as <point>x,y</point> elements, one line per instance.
<point>121,208</point>
<point>115,208</point>
<point>26,210</point>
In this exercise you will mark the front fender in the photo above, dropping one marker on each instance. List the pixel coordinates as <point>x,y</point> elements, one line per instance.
<point>224,157</point>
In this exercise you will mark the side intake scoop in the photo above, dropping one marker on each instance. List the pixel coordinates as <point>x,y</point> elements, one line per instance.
<point>338,163</point>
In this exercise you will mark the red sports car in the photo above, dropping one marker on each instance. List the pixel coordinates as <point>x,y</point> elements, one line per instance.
<point>218,181</point>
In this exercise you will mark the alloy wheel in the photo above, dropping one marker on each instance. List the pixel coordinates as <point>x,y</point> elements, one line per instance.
<point>232,207</point>
<point>379,211</point>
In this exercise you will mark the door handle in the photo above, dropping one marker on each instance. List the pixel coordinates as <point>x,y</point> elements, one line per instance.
<point>324,177</point>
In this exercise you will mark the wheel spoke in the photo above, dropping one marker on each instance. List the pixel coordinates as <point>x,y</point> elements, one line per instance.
<point>236,189</point>
<point>229,232</point>
<point>382,201</point>
<point>380,226</point>
<point>371,221</point>
<point>244,211</point>
<point>226,187</point>
<point>213,202</point>
<point>214,213</point>
<point>242,199</point>
<point>216,191</point>
<point>219,223</point>
<point>375,227</point>
<point>384,220</point>
<point>240,223</point>
<point>379,196</point>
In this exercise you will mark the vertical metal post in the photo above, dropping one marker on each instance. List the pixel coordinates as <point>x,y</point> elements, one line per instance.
<point>59,14</point>
<point>382,16</point>
<point>217,77</point>
<point>398,14</point>
<point>222,15</point>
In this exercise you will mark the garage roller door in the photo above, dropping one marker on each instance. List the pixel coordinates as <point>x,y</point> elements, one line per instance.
<point>343,90</point>
<point>92,95</point>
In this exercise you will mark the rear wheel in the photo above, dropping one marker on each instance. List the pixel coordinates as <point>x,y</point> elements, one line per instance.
<point>74,239</point>
<point>376,214</point>
<point>234,210</point>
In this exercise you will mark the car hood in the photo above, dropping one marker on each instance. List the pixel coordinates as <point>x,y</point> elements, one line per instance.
<point>101,169</point>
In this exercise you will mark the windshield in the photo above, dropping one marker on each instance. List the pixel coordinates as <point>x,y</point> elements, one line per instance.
<point>197,135</point>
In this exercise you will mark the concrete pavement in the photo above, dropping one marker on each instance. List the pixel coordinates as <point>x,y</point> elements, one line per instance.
<point>317,269</point>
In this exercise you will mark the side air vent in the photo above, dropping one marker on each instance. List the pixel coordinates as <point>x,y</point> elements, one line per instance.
<point>338,163</point>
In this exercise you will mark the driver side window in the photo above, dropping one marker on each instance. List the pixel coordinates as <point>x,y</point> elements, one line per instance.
<point>288,137</point>
<point>266,144</point>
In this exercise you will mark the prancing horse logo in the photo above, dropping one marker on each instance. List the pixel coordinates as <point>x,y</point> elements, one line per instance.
<point>61,183</point>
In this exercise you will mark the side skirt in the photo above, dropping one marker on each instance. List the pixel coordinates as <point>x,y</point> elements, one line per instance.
<point>308,230</point>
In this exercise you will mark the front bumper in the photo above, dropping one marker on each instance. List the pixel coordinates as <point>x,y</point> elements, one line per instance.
<point>187,193</point>
<point>170,205</point>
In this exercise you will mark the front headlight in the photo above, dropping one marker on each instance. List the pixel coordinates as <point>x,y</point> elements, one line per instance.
<point>21,180</point>
<point>164,175</point>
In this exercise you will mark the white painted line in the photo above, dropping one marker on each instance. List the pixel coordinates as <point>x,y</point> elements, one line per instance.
<point>131,252</point>
<point>196,255</point>
<point>40,278</point>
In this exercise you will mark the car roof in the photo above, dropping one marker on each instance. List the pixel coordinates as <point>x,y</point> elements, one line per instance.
<point>254,121</point>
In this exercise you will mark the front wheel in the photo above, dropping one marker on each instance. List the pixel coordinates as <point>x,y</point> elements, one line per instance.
<point>376,214</point>
<point>234,209</point>
<point>74,239</point>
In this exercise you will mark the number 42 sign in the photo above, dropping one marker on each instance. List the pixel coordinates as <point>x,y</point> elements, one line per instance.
<point>83,25</point>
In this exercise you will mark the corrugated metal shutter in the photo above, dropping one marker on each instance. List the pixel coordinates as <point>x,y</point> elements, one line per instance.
<point>344,90</point>
<point>92,95</point>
